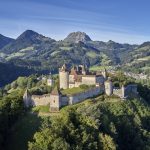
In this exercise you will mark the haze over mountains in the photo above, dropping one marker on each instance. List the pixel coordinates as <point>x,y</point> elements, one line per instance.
<point>35,51</point>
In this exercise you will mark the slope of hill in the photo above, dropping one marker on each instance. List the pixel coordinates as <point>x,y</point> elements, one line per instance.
<point>140,61</point>
<point>101,123</point>
<point>10,72</point>
<point>76,48</point>
<point>5,40</point>
<point>28,40</point>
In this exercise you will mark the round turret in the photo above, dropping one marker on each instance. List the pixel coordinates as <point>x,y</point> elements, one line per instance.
<point>108,87</point>
<point>50,81</point>
<point>104,73</point>
<point>63,77</point>
<point>123,91</point>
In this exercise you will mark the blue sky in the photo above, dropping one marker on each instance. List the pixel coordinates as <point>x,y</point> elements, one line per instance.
<point>125,21</point>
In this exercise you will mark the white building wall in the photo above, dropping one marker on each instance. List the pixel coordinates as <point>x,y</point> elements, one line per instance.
<point>89,80</point>
<point>55,102</point>
<point>71,78</point>
<point>71,85</point>
<point>108,88</point>
<point>64,79</point>
<point>77,84</point>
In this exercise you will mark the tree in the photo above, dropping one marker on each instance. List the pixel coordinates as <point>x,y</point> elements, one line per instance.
<point>106,142</point>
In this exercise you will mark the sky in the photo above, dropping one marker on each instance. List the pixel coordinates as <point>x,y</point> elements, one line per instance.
<point>124,21</point>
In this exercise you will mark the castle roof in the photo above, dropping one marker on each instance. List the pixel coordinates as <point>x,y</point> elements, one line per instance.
<point>63,68</point>
<point>73,72</point>
<point>56,91</point>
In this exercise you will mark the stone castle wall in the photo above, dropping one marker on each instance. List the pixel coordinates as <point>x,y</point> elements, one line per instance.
<point>39,100</point>
<point>64,100</point>
<point>117,92</point>
<point>89,80</point>
<point>131,88</point>
<point>127,91</point>
<point>84,95</point>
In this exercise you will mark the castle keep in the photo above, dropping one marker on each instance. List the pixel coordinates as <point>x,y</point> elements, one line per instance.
<point>78,75</point>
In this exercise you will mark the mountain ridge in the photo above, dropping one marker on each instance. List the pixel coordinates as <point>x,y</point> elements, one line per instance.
<point>4,40</point>
<point>42,52</point>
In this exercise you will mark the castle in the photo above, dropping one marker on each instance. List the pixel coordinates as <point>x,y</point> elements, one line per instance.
<point>78,75</point>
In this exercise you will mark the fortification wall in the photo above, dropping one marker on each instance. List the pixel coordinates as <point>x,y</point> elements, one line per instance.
<point>77,84</point>
<point>37,100</point>
<point>117,92</point>
<point>100,79</point>
<point>132,88</point>
<point>64,100</point>
<point>87,94</point>
<point>89,80</point>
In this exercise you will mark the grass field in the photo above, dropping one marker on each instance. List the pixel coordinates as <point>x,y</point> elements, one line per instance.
<point>66,48</point>
<point>72,91</point>
<point>27,49</point>
<point>42,109</point>
<point>91,54</point>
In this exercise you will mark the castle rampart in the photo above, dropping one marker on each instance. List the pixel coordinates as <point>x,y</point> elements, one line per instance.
<point>75,79</point>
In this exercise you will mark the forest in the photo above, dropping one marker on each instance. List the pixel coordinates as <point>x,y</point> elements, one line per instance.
<point>102,122</point>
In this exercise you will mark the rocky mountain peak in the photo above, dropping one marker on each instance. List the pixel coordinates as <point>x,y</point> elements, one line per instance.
<point>28,34</point>
<point>76,37</point>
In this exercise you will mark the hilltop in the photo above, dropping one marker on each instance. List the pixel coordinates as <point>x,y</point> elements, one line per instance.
<point>76,37</point>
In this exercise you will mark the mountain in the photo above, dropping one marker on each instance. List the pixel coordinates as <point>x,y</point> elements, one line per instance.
<point>27,40</point>
<point>5,40</point>
<point>41,53</point>
<point>140,59</point>
<point>76,37</point>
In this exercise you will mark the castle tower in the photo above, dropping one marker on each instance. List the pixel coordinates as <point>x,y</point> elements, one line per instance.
<point>123,96</point>
<point>83,70</point>
<point>27,99</point>
<point>104,73</point>
<point>55,100</point>
<point>108,87</point>
<point>63,77</point>
<point>50,81</point>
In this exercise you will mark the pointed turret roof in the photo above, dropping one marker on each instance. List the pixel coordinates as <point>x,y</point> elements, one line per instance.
<point>27,92</point>
<point>56,91</point>
<point>63,68</point>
